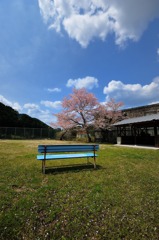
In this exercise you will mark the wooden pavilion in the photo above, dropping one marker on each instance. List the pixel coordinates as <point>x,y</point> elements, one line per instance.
<point>142,130</point>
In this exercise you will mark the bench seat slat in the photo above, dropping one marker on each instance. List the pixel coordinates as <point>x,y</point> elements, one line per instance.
<point>65,156</point>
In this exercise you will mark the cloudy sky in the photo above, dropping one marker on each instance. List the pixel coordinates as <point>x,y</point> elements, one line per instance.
<point>49,47</point>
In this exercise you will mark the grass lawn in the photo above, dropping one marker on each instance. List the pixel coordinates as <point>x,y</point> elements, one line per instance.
<point>118,200</point>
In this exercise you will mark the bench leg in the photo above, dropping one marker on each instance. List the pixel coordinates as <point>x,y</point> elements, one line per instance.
<point>43,166</point>
<point>94,161</point>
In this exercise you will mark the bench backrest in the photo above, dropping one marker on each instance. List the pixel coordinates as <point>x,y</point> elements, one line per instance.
<point>67,148</point>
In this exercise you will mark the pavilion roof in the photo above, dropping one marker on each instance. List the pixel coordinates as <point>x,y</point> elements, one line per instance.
<point>147,118</point>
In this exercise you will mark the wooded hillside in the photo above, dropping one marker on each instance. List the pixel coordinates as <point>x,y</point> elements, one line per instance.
<point>12,118</point>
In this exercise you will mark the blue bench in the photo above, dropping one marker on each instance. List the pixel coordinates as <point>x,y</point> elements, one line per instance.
<point>49,152</point>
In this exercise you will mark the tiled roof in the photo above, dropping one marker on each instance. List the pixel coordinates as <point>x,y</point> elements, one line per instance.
<point>147,118</point>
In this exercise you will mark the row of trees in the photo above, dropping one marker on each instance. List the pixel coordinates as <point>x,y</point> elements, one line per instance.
<point>82,111</point>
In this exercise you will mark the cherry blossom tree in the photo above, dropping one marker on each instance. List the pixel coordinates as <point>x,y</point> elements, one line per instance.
<point>82,111</point>
<point>78,111</point>
<point>64,123</point>
<point>107,114</point>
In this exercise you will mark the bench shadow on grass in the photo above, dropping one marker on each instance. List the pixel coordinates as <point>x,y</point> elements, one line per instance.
<point>71,168</point>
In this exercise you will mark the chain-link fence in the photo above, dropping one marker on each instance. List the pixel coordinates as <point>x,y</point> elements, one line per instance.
<point>26,133</point>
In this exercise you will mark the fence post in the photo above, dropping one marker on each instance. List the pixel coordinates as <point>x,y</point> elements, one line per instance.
<point>41,132</point>
<point>5,132</point>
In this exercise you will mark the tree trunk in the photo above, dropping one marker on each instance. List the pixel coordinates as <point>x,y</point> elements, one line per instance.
<point>88,136</point>
<point>61,138</point>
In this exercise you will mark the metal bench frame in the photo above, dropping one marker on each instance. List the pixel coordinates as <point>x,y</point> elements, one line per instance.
<point>66,152</point>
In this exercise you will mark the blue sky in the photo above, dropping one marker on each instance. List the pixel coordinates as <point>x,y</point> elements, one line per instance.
<point>47,48</point>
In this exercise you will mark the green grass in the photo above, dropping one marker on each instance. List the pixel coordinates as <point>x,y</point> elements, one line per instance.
<point>118,200</point>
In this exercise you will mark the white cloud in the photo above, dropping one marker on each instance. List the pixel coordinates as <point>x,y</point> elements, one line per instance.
<point>14,105</point>
<point>31,106</point>
<point>35,111</point>
<point>54,90</point>
<point>56,104</point>
<point>46,9</point>
<point>158,51</point>
<point>45,116</point>
<point>87,82</point>
<point>83,28</point>
<point>133,94</point>
<point>85,20</point>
